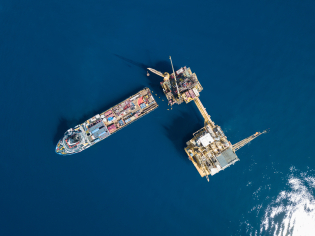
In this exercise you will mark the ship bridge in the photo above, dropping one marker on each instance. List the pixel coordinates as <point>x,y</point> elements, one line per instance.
<point>71,142</point>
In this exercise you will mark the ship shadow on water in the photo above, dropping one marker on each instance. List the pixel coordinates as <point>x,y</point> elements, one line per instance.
<point>61,129</point>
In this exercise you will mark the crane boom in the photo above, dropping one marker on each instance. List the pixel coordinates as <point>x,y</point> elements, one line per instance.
<point>156,72</point>
<point>245,141</point>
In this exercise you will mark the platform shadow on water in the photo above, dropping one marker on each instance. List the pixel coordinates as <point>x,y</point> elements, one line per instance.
<point>154,80</point>
<point>180,130</point>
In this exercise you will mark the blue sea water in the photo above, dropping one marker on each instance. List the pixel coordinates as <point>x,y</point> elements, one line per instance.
<point>61,62</point>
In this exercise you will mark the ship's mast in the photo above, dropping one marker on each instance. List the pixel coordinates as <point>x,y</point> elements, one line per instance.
<point>245,141</point>
<point>175,78</point>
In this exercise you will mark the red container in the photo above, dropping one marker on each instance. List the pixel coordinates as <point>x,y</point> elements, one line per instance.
<point>111,128</point>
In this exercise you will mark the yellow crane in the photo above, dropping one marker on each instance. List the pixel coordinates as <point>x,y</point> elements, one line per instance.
<point>157,72</point>
<point>245,141</point>
<point>166,75</point>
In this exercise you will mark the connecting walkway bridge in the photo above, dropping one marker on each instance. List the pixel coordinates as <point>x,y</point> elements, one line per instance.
<point>203,112</point>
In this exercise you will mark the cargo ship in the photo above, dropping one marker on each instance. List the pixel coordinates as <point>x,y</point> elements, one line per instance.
<point>107,123</point>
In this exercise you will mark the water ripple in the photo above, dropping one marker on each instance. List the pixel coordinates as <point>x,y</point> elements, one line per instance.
<point>293,210</point>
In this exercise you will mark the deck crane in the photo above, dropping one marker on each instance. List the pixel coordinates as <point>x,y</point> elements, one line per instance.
<point>157,72</point>
<point>166,76</point>
<point>245,141</point>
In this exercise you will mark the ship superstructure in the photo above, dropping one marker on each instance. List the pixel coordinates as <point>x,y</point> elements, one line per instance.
<point>209,149</point>
<point>105,124</point>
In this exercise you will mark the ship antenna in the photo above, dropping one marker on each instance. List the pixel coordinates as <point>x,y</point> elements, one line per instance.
<point>175,78</point>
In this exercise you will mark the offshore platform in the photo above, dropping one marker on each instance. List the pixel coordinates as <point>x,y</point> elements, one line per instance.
<point>209,149</point>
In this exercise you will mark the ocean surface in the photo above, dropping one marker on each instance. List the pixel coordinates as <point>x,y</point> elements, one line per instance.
<point>62,62</point>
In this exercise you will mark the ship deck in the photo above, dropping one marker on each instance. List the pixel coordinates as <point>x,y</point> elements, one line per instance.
<point>110,121</point>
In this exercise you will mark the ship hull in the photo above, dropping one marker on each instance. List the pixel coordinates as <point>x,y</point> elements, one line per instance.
<point>103,125</point>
